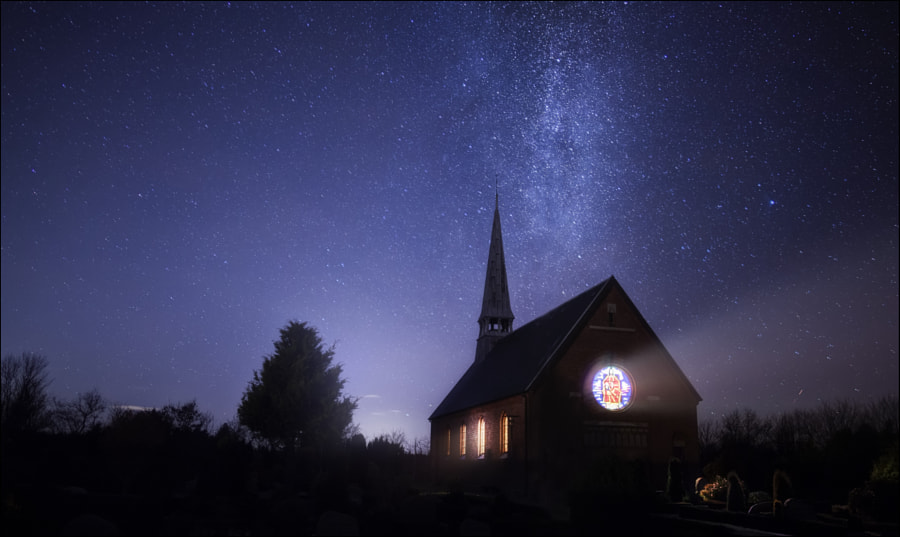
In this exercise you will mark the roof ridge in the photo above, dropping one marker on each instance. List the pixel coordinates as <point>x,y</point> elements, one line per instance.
<point>597,291</point>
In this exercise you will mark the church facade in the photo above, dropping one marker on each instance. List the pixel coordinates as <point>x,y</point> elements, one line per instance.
<point>540,405</point>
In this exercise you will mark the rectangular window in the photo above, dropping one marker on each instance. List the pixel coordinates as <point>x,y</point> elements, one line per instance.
<point>504,434</point>
<point>462,440</point>
<point>481,438</point>
<point>448,441</point>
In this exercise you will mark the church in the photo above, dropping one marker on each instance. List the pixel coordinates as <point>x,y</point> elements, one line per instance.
<point>541,404</point>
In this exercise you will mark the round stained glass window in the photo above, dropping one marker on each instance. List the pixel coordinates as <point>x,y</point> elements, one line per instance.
<point>613,388</point>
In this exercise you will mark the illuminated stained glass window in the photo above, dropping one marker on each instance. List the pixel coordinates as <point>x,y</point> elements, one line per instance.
<point>481,438</point>
<point>448,441</point>
<point>462,440</point>
<point>613,388</point>
<point>504,434</point>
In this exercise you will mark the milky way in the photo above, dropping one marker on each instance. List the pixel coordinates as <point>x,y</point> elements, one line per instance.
<point>181,180</point>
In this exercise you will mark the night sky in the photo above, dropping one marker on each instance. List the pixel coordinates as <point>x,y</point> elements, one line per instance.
<point>179,181</point>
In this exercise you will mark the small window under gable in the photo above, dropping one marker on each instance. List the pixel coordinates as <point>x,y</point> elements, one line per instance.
<point>611,314</point>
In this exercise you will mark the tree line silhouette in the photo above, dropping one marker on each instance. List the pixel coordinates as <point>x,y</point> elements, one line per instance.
<point>837,453</point>
<point>291,460</point>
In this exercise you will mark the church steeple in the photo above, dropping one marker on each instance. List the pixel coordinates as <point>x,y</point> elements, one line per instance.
<point>496,318</point>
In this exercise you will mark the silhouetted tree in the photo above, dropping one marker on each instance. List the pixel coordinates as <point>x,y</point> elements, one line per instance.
<point>133,446</point>
<point>420,446</point>
<point>188,418</point>
<point>852,454</point>
<point>884,416</point>
<point>744,428</point>
<point>790,433</point>
<point>295,399</point>
<point>835,418</point>
<point>388,445</point>
<point>232,432</point>
<point>24,403</point>
<point>826,450</point>
<point>79,415</point>
<point>707,435</point>
<point>884,484</point>
<point>744,446</point>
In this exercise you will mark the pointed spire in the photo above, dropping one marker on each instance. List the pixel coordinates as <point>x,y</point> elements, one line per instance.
<point>496,195</point>
<point>496,319</point>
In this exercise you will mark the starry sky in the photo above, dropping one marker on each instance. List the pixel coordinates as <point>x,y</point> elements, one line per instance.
<point>181,180</point>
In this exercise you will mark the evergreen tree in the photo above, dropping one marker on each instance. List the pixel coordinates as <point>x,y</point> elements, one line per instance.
<point>295,400</point>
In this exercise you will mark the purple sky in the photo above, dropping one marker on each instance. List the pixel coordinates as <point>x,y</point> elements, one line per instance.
<point>181,180</point>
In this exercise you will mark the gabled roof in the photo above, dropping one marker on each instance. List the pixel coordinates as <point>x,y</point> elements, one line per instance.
<point>518,360</point>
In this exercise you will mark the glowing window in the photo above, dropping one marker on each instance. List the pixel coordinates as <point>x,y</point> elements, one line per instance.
<point>481,438</point>
<point>448,441</point>
<point>613,388</point>
<point>504,434</point>
<point>462,440</point>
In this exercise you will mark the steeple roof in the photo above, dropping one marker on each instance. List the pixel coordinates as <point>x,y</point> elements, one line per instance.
<point>495,303</point>
<point>496,317</point>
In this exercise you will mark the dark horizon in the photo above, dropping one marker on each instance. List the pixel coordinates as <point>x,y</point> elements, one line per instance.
<point>146,475</point>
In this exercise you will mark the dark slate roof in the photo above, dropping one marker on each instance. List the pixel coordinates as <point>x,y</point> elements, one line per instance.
<point>518,359</point>
<point>495,303</point>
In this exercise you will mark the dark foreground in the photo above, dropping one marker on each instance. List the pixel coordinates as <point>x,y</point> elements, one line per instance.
<point>71,511</point>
